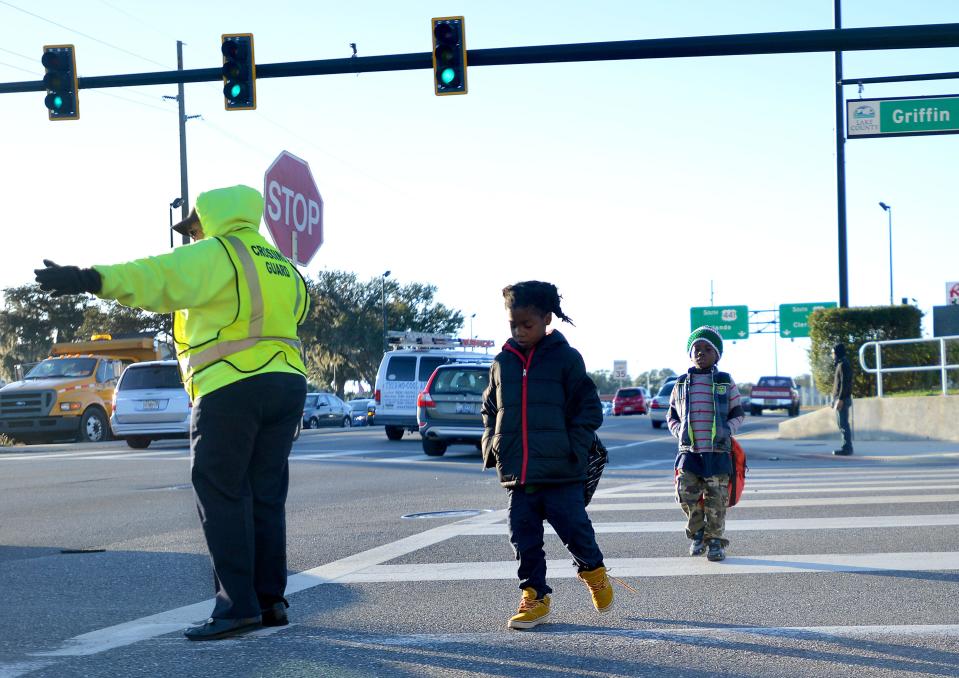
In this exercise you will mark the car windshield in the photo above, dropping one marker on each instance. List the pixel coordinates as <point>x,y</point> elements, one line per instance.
<point>775,382</point>
<point>151,376</point>
<point>460,382</point>
<point>358,405</point>
<point>63,367</point>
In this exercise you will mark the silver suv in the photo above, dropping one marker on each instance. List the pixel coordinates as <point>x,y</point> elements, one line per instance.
<point>448,409</point>
<point>150,404</point>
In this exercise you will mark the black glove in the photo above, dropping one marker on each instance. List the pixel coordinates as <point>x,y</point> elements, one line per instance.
<point>60,280</point>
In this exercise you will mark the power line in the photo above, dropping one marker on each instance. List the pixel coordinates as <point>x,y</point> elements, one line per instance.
<point>85,35</point>
<point>18,68</point>
<point>137,19</point>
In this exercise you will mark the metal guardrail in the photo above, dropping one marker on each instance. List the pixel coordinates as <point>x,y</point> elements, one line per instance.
<point>943,367</point>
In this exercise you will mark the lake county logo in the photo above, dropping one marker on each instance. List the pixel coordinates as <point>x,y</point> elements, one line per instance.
<point>863,119</point>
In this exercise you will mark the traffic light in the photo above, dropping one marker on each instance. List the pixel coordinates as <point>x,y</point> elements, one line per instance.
<point>449,55</point>
<point>62,101</point>
<point>239,72</point>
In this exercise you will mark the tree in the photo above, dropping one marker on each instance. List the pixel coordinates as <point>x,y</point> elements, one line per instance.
<point>655,378</point>
<point>343,333</point>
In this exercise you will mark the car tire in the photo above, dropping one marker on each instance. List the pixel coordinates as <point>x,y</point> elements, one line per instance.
<point>347,422</point>
<point>657,424</point>
<point>93,426</point>
<point>434,448</point>
<point>794,411</point>
<point>313,422</point>
<point>756,411</point>
<point>138,442</point>
<point>394,432</point>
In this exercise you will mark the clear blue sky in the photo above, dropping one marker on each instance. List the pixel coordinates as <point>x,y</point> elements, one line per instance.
<point>632,185</point>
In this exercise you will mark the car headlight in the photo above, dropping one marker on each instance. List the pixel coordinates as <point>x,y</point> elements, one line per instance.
<point>69,407</point>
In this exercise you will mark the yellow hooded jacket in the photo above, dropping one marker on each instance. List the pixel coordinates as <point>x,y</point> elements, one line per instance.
<point>238,301</point>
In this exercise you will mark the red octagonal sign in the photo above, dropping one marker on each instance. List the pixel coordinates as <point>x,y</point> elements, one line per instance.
<point>294,208</point>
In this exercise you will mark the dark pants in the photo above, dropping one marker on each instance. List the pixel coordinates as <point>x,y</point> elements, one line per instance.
<point>564,507</point>
<point>240,439</point>
<point>842,418</point>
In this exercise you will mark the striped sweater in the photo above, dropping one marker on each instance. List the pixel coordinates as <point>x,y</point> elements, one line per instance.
<point>701,412</point>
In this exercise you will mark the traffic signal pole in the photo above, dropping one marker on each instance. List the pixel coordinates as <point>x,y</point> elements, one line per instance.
<point>841,171</point>
<point>789,42</point>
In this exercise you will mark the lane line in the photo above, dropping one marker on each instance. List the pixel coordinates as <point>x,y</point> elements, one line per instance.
<point>670,567</point>
<point>763,524</point>
<point>776,503</point>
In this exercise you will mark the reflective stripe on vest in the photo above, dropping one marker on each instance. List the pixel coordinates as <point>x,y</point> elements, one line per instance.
<point>225,348</point>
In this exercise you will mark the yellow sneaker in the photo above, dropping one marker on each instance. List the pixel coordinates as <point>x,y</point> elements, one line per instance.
<point>599,587</point>
<point>532,610</point>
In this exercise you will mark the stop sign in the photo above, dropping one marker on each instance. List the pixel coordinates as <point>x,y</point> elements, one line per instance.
<point>294,208</point>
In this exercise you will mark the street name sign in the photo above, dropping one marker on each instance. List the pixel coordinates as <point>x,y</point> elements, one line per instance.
<point>294,209</point>
<point>952,293</point>
<point>794,318</point>
<point>731,321</point>
<point>902,116</point>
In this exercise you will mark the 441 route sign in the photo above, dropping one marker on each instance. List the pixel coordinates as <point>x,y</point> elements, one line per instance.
<point>731,321</point>
<point>794,318</point>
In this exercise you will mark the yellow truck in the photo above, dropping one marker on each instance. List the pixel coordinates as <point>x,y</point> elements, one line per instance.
<point>69,396</point>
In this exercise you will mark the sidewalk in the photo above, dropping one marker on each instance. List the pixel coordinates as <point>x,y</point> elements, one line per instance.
<point>769,444</point>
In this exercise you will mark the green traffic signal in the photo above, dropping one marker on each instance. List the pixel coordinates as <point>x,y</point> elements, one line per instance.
<point>239,72</point>
<point>449,55</point>
<point>60,81</point>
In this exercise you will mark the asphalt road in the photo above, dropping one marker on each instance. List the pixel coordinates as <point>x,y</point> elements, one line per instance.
<point>837,567</point>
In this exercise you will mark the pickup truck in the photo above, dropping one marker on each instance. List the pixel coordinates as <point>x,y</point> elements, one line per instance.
<point>774,393</point>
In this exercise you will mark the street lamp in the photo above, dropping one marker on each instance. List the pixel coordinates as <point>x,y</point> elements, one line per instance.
<point>888,210</point>
<point>383,303</point>
<point>173,205</point>
<point>471,326</point>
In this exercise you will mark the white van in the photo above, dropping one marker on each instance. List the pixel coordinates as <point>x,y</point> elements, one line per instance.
<point>404,371</point>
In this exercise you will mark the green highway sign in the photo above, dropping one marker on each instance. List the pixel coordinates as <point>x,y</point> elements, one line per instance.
<point>902,117</point>
<point>794,318</point>
<point>731,321</point>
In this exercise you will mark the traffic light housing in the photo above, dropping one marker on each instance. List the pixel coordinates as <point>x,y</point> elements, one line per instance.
<point>449,55</point>
<point>239,72</point>
<point>62,100</point>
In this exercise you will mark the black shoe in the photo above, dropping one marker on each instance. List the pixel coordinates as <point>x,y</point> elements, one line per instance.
<point>215,629</point>
<point>698,547</point>
<point>275,615</point>
<point>842,452</point>
<point>716,551</point>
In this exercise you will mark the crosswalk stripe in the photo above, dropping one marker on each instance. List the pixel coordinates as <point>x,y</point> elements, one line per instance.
<point>669,567</point>
<point>761,524</point>
<point>775,503</point>
<point>750,490</point>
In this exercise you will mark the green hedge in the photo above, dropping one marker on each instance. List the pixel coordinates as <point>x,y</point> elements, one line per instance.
<point>854,327</point>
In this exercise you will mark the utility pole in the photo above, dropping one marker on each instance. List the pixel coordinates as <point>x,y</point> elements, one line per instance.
<point>181,117</point>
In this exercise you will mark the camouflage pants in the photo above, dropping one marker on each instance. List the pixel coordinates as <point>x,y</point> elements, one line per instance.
<point>710,515</point>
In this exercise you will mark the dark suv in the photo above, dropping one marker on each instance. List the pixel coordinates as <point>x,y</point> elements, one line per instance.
<point>448,409</point>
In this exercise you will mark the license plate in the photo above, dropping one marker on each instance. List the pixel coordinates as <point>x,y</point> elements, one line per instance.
<point>465,408</point>
<point>151,404</point>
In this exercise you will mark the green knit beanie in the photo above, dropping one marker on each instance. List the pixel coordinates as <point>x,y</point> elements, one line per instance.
<point>708,334</point>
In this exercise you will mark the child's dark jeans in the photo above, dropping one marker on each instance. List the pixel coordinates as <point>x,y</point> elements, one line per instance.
<point>564,507</point>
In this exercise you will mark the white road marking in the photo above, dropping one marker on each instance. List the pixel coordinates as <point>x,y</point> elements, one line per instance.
<point>669,567</point>
<point>776,503</point>
<point>750,490</point>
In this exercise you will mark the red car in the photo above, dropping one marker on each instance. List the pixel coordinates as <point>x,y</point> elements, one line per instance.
<point>629,401</point>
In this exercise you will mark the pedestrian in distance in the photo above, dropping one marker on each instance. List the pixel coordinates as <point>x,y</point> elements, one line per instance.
<point>704,413</point>
<point>237,303</point>
<point>842,397</point>
<point>540,414</point>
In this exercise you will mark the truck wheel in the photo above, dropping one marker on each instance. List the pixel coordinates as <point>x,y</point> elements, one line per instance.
<point>394,432</point>
<point>756,411</point>
<point>138,442</point>
<point>657,423</point>
<point>93,426</point>
<point>434,448</point>
<point>794,411</point>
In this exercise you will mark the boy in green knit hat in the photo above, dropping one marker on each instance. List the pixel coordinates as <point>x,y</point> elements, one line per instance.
<point>704,413</point>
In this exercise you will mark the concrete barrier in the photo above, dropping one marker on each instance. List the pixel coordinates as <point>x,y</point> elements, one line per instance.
<point>919,418</point>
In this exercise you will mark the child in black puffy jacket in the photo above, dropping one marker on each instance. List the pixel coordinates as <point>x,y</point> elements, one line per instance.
<point>540,413</point>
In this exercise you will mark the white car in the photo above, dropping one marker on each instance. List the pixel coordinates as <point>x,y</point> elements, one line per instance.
<point>150,403</point>
<point>659,405</point>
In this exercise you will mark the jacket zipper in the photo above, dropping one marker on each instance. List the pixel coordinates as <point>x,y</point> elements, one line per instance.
<point>526,363</point>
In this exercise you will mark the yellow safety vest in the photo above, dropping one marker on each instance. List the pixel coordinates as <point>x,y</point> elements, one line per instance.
<point>271,300</point>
